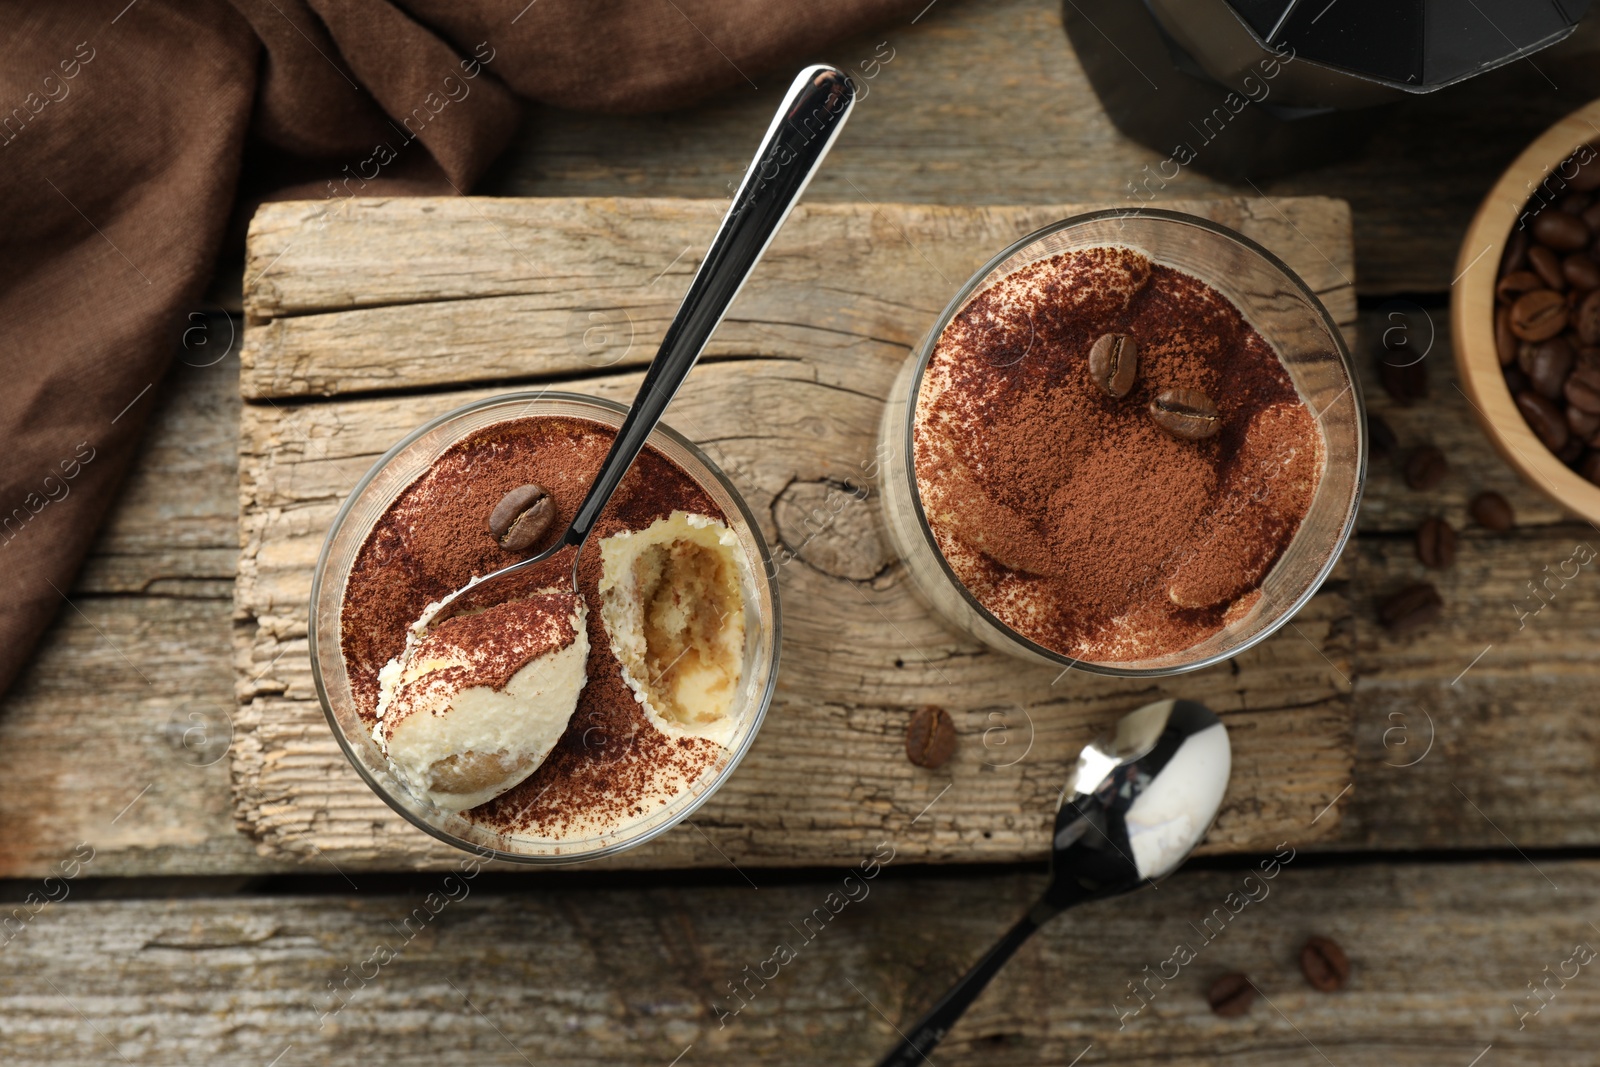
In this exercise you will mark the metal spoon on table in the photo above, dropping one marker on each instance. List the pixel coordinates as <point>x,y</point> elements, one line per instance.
<point>813,112</point>
<point>1137,805</point>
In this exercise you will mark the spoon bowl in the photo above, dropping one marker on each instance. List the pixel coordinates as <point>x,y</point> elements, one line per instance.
<point>1140,799</point>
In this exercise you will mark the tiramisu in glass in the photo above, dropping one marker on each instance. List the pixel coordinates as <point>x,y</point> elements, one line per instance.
<point>558,724</point>
<point>1132,444</point>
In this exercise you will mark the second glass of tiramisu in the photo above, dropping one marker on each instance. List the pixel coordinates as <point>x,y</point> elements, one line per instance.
<point>1132,444</point>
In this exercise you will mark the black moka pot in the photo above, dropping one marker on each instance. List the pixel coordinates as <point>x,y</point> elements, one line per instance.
<point>1252,89</point>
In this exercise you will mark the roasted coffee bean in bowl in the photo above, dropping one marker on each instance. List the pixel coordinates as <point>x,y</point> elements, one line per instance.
<point>1525,314</point>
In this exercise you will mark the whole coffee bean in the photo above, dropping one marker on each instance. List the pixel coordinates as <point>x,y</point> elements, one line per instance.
<point>1426,467</point>
<point>1539,314</point>
<point>1113,364</point>
<point>1590,467</point>
<point>1436,543</point>
<point>1382,444</point>
<point>1505,342</point>
<point>1411,608</point>
<point>1545,419</point>
<point>1583,424</point>
<point>1516,381</point>
<point>930,737</point>
<point>1516,254</point>
<point>521,517</point>
<point>1547,267</point>
<point>1547,365</point>
<point>1187,414</point>
<point>1513,285</point>
<point>1231,995</point>
<point>1582,391</point>
<point>1581,271</point>
<point>1492,511</point>
<point>1587,319</point>
<point>1560,230</point>
<point>1407,383</point>
<point>1324,964</point>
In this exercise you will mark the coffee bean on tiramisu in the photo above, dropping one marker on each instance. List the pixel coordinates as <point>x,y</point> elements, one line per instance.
<point>1324,964</point>
<point>1411,608</point>
<point>930,737</point>
<point>1113,364</point>
<point>522,517</point>
<point>1231,995</point>
<point>1187,414</point>
<point>1539,314</point>
<point>1426,467</point>
<point>1436,543</point>
<point>1492,511</point>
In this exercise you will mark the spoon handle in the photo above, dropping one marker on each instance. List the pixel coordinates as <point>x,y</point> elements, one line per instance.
<point>813,112</point>
<point>931,1028</point>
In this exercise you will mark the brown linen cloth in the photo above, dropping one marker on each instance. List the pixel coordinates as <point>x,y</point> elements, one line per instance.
<point>128,129</point>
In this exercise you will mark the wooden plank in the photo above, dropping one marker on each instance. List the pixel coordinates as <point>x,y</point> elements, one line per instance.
<point>987,104</point>
<point>117,732</point>
<point>395,294</point>
<point>828,771</point>
<point>1442,954</point>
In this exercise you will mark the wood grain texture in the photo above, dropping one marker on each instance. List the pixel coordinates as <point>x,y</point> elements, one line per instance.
<point>118,731</point>
<point>985,103</point>
<point>1442,956</point>
<point>789,405</point>
<point>368,295</point>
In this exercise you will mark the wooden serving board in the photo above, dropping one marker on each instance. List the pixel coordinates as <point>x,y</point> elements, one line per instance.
<point>367,317</point>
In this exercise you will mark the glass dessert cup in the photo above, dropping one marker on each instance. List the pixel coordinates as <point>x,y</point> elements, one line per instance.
<point>366,505</point>
<point>1287,315</point>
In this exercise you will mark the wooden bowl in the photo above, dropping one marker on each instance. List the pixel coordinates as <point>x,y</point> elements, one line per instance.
<point>1472,314</point>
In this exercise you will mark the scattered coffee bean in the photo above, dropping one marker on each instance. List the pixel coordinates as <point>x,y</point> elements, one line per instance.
<point>1382,444</point>
<point>1539,314</point>
<point>1436,543</point>
<point>1410,609</point>
<point>1547,268</point>
<point>1113,364</point>
<point>1505,342</point>
<point>930,737</point>
<point>1492,511</point>
<point>1581,271</point>
<point>521,517</point>
<point>1545,419</point>
<point>1547,365</point>
<point>1324,964</point>
<point>1407,384</point>
<point>1426,467</point>
<point>1560,230</point>
<point>1186,413</point>
<point>1231,995</point>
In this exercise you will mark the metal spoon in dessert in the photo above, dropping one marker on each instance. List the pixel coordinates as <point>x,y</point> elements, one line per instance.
<point>813,112</point>
<point>1138,803</point>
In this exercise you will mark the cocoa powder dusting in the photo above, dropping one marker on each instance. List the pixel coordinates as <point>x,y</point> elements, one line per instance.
<point>611,763</point>
<point>1070,514</point>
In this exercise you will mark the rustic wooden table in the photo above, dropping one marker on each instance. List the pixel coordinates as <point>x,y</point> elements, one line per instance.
<point>148,923</point>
